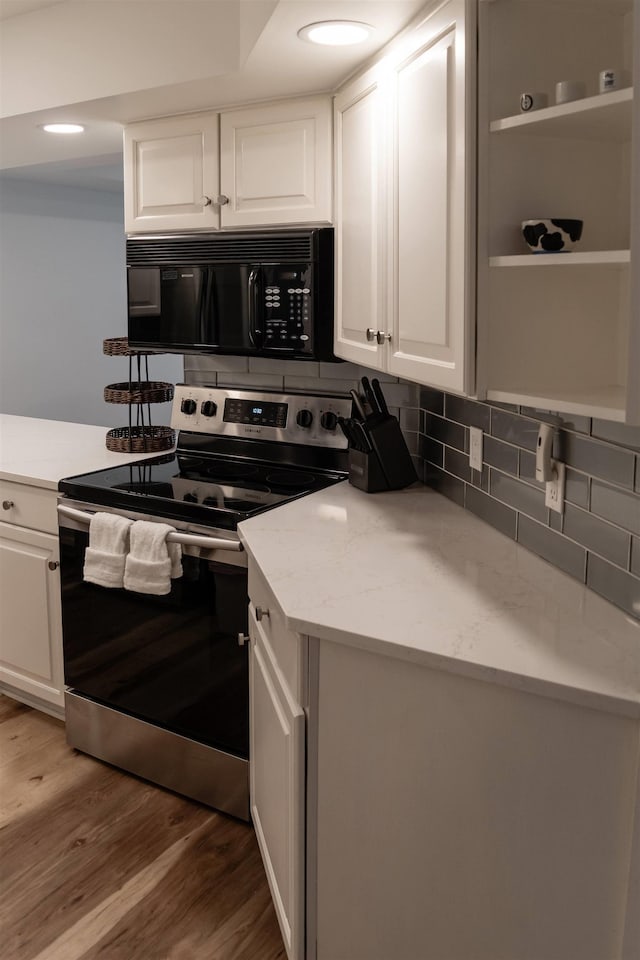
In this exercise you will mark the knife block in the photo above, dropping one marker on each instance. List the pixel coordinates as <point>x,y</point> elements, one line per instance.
<point>388,465</point>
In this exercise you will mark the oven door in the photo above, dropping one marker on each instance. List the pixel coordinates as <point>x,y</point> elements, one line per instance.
<point>173,661</point>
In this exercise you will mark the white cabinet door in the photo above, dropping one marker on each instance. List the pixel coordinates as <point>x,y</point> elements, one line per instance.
<point>277,730</point>
<point>405,202</point>
<point>433,203</point>
<point>171,174</point>
<point>30,613</point>
<point>275,163</point>
<point>360,120</point>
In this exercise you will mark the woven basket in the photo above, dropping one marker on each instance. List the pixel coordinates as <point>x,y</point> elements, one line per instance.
<point>140,439</point>
<point>119,347</point>
<point>139,391</point>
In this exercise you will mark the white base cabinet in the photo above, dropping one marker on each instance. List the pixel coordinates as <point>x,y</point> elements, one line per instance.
<point>266,165</point>
<point>405,812</point>
<point>404,180</point>
<point>30,610</point>
<point>457,819</point>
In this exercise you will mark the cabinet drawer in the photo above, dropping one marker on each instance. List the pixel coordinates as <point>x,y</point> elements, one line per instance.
<point>32,507</point>
<point>287,645</point>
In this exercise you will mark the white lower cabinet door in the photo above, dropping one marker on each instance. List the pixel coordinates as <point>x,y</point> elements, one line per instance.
<point>277,748</point>
<point>30,613</point>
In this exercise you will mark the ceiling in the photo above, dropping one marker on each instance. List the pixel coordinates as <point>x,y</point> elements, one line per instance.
<point>105,63</point>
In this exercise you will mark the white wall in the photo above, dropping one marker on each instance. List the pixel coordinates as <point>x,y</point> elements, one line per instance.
<point>62,292</point>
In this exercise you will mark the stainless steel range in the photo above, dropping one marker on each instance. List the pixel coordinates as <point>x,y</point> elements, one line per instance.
<point>158,685</point>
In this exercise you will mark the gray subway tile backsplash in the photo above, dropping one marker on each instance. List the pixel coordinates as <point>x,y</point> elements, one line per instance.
<point>597,538</point>
<point>618,506</point>
<point>500,455</point>
<point>615,585</point>
<point>500,516</point>
<point>603,538</point>
<point>520,496</point>
<point>577,488</point>
<point>432,400</point>
<point>618,433</point>
<point>469,412</point>
<point>603,460</point>
<point>514,429</point>
<point>453,434</point>
<point>552,546</point>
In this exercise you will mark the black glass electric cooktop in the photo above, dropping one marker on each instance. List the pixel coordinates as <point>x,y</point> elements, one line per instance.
<point>216,491</point>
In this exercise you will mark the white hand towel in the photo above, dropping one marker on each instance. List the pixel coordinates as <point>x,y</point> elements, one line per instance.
<point>108,544</point>
<point>149,566</point>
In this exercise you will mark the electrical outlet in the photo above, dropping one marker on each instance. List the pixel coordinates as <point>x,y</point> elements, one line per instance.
<point>554,489</point>
<point>475,448</point>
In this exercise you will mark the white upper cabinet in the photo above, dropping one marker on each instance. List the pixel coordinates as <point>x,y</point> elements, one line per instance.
<point>360,110</point>
<point>171,174</point>
<point>275,163</point>
<point>559,330</point>
<point>259,166</point>
<point>405,162</point>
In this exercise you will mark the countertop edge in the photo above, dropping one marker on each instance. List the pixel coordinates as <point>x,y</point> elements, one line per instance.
<point>467,668</point>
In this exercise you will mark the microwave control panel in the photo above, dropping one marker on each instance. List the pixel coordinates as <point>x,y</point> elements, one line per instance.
<point>287,307</point>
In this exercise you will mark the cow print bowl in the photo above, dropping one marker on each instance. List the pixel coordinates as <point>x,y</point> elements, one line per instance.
<point>551,236</point>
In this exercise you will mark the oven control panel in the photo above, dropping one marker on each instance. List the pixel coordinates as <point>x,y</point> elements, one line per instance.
<point>311,419</point>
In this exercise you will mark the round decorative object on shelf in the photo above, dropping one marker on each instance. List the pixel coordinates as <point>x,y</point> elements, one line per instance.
<point>139,391</point>
<point>145,439</point>
<point>119,347</point>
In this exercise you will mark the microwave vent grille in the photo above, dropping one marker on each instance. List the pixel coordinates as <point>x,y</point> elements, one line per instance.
<point>221,248</point>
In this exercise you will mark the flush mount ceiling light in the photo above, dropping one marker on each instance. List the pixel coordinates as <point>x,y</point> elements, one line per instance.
<point>335,33</point>
<point>63,128</point>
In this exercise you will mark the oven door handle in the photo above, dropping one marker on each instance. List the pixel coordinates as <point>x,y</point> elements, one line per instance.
<point>185,539</point>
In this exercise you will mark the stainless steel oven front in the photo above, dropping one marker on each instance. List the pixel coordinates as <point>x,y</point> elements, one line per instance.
<point>158,685</point>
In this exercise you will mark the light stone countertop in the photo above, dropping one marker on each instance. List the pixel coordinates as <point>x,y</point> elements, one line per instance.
<point>42,452</point>
<point>411,575</point>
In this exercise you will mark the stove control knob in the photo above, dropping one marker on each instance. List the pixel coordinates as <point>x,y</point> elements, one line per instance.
<point>304,418</point>
<point>188,406</point>
<point>209,408</point>
<point>329,420</point>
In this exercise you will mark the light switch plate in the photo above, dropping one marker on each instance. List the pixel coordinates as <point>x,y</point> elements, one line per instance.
<point>475,448</point>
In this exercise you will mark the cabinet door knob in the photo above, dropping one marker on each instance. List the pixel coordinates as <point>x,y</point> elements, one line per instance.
<point>261,612</point>
<point>53,564</point>
<point>371,334</point>
<point>7,504</point>
<point>243,638</point>
<point>205,201</point>
<point>381,337</point>
<point>221,200</point>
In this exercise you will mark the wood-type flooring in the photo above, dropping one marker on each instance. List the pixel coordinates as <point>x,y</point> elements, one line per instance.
<point>98,865</point>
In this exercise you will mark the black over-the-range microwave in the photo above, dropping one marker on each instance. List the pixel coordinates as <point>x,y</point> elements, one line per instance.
<point>260,293</point>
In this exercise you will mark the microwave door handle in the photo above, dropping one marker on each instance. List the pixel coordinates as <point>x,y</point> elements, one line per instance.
<point>208,319</point>
<point>255,332</point>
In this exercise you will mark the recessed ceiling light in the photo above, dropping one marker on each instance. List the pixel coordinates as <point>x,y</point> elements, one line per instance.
<point>63,128</point>
<point>336,33</point>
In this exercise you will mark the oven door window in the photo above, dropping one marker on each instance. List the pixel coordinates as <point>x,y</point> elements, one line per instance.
<point>172,660</point>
